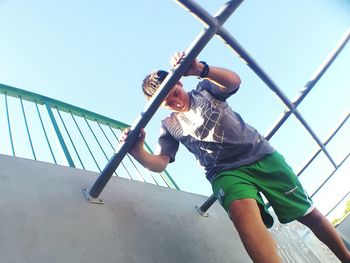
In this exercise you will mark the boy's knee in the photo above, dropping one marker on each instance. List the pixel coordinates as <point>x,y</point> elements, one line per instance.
<point>243,208</point>
<point>313,217</point>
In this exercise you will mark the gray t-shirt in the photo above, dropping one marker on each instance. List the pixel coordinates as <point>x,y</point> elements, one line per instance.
<point>213,132</point>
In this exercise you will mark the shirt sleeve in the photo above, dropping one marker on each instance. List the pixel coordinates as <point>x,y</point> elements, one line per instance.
<point>214,90</point>
<point>167,144</point>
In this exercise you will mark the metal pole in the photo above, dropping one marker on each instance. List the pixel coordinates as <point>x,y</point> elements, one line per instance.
<point>173,77</point>
<point>206,205</point>
<point>331,175</point>
<point>311,83</point>
<point>325,144</point>
<point>341,200</point>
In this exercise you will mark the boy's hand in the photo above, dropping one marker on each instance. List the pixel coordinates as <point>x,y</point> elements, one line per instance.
<point>195,68</point>
<point>138,146</point>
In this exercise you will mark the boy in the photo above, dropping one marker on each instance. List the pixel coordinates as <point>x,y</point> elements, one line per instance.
<point>238,161</point>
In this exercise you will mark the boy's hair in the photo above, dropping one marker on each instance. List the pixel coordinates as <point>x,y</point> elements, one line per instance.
<point>152,82</point>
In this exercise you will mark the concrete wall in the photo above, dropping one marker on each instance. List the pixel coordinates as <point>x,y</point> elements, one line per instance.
<point>344,229</point>
<point>46,218</point>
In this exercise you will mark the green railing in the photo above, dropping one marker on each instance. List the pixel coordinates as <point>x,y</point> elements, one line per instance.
<point>44,129</point>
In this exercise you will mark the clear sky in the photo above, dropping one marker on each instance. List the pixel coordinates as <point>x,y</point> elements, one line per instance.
<point>94,54</point>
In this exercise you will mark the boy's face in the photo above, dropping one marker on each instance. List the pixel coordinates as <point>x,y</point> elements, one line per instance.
<point>177,100</point>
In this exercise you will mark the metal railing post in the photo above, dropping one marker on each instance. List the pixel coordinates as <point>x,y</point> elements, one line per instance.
<point>202,210</point>
<point>59,135</point>
<point>9,125</point>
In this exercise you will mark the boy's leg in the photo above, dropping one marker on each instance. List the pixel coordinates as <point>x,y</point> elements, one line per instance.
<point>325,232</point>
<point>257,240</point>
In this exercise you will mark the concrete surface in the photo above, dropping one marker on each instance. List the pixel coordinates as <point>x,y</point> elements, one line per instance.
<point>46,218</point>
<point>344,229</point>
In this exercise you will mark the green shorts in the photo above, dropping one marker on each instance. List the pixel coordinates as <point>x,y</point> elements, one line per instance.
<point>272,177</point>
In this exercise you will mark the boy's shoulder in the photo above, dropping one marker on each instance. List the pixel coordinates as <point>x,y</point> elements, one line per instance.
<point>208,87</point>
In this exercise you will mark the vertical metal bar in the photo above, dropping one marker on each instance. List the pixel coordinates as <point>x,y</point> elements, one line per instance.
<point>59,135</point>
<point>86,144</point>
<point>47,139</point>
<point>9,125</point>
<point>26,123</point>
<point>173,77</point>
<point>70,138</point>
<point>106,135</point>
<point>311,83</point>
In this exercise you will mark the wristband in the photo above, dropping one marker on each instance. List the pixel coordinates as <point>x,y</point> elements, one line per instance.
<point>205,70</point>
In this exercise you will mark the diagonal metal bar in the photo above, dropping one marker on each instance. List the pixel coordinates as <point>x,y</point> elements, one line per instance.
<point>59,135</point>
<point>27,128</point>
<point>86,143</point>
<point>192,52</point>
<point>9,125</point>
<point>202,15</point>
<point>45,133</point>
<point>228,38</point>
<point>243,54</point>
<point>94,135</point>
<point>311,83</point>
<point>325,143</point>
<point>341,200</point>
<point>106,137</point>
<point>199,12</point>
<point>128,156</point>
<point>70,138</point>
<point>331,175</point>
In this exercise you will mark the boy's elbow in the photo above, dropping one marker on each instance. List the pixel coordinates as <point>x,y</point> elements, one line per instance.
<point>161,164</point>
<point>236,81</point>
<point>234,84</point>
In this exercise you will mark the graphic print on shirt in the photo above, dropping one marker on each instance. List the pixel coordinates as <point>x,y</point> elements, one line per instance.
<point>200,130</point>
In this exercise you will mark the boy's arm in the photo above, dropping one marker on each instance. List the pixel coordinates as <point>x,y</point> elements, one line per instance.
<point>225,79</point>
<point>154,163</point>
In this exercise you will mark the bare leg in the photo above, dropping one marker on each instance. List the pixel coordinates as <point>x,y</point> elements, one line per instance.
<point>245,215</point>
<point>325,232</point>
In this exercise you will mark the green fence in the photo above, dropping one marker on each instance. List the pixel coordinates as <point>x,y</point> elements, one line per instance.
<point>44,129</point>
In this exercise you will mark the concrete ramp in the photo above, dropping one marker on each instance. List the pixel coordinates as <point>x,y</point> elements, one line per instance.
<point>344,229</point>
<point>46,218</point>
